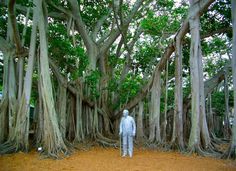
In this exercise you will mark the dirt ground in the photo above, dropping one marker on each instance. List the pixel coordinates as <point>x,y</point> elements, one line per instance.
<point>102,159</point>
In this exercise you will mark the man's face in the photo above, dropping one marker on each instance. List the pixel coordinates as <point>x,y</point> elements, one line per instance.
<point>125,113</point>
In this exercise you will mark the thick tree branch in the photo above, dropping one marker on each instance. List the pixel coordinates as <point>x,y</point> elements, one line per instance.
<point>211,83</point>
<point>59,8</point>
<point>219,31</point>
<point>80,24</point>
<point>13,23</point>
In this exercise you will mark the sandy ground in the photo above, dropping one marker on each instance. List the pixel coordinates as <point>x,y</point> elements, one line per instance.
<point>102,159</point>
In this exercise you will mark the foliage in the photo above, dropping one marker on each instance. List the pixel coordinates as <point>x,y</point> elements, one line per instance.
<point>128,88</point>
<point>165,22</point>
<point>218,17</point>
<point>218,45</point>
<point>145,57</point>
<point>93,11</point>
<point>218,102</point>
<point>73,59</point>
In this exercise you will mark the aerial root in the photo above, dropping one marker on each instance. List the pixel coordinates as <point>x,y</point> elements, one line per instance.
<point>106,142</point>
<point>8,148</point>
<point>230,153</point>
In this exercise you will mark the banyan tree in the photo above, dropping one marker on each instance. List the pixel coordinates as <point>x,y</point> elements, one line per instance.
<point>69,68</point>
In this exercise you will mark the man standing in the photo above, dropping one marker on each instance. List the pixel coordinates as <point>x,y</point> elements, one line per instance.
<point>127,131</point>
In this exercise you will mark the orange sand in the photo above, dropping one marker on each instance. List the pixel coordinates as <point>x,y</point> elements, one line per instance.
<point>102,159</point>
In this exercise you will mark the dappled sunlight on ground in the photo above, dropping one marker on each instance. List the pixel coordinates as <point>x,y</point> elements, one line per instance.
<point>102,159</point>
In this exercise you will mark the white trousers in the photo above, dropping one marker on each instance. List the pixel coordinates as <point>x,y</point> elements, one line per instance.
<point>128,140</point>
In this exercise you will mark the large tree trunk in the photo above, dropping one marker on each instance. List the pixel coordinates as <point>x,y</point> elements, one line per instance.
<point>22,127</point>
<point>154,124</point>
<point>12,96</point>
<point>92,56</point>
<point>140,133</point>
<point>40,117</point>
<point>79,126</point>
<point>104,95</point>
<point>210,119</point>
<point>231,152</point>
<point>70,124</point>
<point>19,140</point>
<point>4,101</point>
<point>203,122</point>
<point>198,96</point>
<point>166,103</point>
<point>194,140</point>
<point>52,141</point>
<point>21,60</point>
<point>62,101</point>
<point>178,114</point>
<point>226,116</point>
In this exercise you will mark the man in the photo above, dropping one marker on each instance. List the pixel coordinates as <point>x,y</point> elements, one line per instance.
<point>127,131</point>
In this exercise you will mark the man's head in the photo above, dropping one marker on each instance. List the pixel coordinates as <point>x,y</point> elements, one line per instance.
<point>125,113</point>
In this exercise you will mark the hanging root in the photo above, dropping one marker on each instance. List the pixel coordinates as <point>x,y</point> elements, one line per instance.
<point>55,153</point>
<point>195,149</point>
<point>54,147</point>
<point>217,140</point>
<point>212,151</point>
<point>230,153</point>
<point>8,148</point>
<point>199,151</point>
<point>152,144</point>
<point>106,142</point>
<point>175,146</point>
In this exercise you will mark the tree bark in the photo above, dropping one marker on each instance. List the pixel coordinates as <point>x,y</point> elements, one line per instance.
<point>22,124</point>
<point>178,118</point>
<point>140,133</point>
<point>79,126</point>
<point>226,116</point>
<point>154,118</point>
<point>12,96</point>
<point>62,101</point>
<point>198,96</point>
<point>21,60</point>
<point>203,122</point>
<point>194,21</point>
<point>166,103</point>
<point>231,152</point>
<point>4,101</point>
<point>210,116</point>
<point>52,141</point>
<point>40,123</point>
<point>70,124</point>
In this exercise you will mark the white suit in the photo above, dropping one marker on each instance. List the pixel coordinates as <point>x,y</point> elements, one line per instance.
<point>127,130</point>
